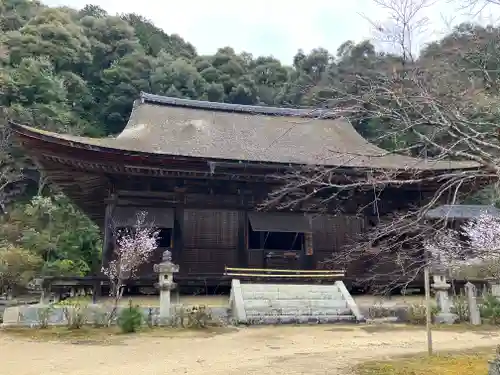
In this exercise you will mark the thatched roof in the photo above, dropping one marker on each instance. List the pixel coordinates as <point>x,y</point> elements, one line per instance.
<point>180,127</point>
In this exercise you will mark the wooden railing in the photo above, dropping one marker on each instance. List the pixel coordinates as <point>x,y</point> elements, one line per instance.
<point>282,273</point>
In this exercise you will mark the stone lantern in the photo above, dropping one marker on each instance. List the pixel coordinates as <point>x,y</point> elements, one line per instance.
<point>441,288</point>
<point>165,270</point>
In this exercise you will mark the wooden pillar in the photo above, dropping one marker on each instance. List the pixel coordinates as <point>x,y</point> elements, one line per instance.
<point>262,239</point>
<point>178,236</point>
<point>96,291</point>
<point>108,231</point>
<point>107,243</point>
<point>242,250</point>
<point>308,260</point>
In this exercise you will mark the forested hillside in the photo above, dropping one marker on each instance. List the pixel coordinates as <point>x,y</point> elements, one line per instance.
<point>79,71</point>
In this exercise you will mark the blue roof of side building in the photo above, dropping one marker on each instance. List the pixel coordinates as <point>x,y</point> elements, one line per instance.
<point>461,211</point>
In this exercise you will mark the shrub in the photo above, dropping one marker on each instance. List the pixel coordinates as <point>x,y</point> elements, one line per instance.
<point>378,311</point>
<point>150,320</point>
<point>490,310</point>
<point>100,316</point>
<point>461,309</point>
<point>43,316</point>
<point>130,319</point>
<point>178,318</point>
<point>17,267</point>
<point>198,317</point>
<point>192,317</point>
<point>417,313</point>
<point>75,313</point>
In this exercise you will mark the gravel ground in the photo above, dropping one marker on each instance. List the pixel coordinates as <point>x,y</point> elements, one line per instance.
<point>261,351</point>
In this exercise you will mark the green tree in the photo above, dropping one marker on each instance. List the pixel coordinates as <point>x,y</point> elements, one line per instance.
<point>180,75</point>
<point>53,229</point>
<point>17,268</point>
<point>122,82</point>
<point>154,40</point>
<point>14,14</point>
<point>51,34</point>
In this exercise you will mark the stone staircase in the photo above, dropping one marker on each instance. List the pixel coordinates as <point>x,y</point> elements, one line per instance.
<point>286,303</point>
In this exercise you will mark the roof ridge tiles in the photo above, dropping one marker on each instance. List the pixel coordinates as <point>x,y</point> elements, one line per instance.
<point>239,108</point>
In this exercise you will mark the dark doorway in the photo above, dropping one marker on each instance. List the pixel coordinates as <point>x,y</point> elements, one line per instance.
<point>165,238</point>
<point>290,241</point>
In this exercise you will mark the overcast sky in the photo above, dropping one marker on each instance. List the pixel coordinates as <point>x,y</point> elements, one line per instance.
<point>270,27</point>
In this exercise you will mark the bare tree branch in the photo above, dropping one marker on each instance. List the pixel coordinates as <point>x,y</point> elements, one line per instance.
<point>436,109</point>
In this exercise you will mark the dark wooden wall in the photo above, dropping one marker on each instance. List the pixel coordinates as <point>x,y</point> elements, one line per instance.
<point>207,240</point>
<point>210,241</point>
<point>211,221</point>
<point>331,233</point>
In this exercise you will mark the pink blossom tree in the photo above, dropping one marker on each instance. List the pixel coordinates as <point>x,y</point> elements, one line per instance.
<point>475,246</point>
<point>134,247</point>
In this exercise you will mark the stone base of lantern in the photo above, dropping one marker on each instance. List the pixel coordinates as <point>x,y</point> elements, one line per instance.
<point>165,303</point>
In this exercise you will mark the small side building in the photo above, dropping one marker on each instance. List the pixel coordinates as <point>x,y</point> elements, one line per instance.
<point>461,212</point>
<point>454,216</point>
<point>202,169</point>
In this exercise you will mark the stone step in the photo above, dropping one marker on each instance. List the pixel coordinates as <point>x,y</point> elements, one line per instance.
<point>300,320</point>
<point>292,302</point>
<point>334,295</point>
<point>298,312</point>
<point>295,303</point>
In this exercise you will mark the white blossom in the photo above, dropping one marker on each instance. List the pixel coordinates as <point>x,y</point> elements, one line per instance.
<point>134,247</point>
<point>444,248</point>
<point>484,234</point>
<point>477,242</point>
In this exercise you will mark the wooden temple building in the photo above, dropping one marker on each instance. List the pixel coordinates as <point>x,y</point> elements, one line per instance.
<point>201,169</point>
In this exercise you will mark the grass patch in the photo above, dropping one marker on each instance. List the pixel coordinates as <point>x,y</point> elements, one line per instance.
<point>342,329</point>
<point>86,335</point>
<point>462,327</point>
<point>186,332</point>
<point>107,336</point>
<point>473,362</point>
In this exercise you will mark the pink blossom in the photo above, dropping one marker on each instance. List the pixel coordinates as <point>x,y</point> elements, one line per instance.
<point>135,246</point>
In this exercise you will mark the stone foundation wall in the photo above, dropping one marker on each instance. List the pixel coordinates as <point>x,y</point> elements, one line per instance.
<point>32,315</point>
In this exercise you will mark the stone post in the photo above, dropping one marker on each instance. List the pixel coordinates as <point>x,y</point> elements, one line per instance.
<point>494,285</point>
<point>494,365</point>
<point>165,270</point>
<point>474,316</point>
<point>44,297</point>
<point>441,288</point>
<point>485,291</point>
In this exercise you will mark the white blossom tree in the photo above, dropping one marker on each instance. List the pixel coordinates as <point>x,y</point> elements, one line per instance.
<point>476,246</point>
<point>134,247</point>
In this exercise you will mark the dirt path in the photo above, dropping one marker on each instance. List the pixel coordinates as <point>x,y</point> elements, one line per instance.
<point>270,350</point>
